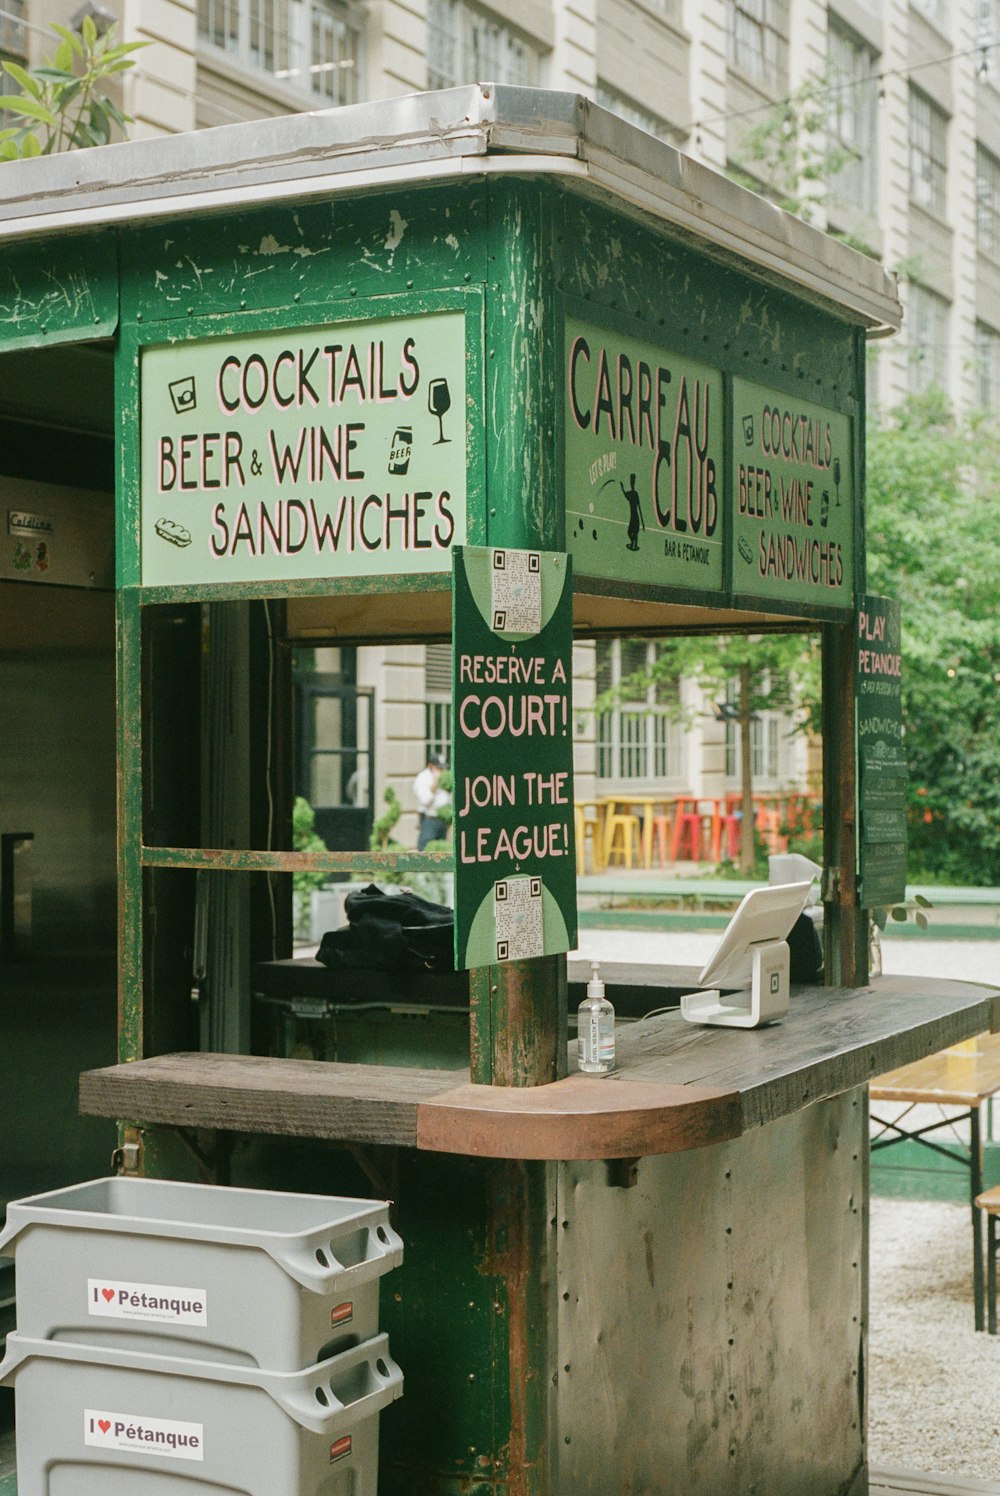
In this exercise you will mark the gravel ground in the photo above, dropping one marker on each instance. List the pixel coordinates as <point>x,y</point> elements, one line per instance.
<point>932,1379</point>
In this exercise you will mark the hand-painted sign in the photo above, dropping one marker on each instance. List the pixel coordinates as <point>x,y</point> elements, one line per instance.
<point>643,461</point>
<point>328,451</point>
<point>792,480</point>
<point>512,756</point>
<point>881,756</point>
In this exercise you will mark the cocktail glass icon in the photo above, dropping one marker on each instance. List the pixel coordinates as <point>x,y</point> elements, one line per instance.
<point>439,403</point>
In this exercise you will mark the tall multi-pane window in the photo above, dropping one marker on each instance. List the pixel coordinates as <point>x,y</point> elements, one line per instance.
<point>987,202</point>
<point>469,45</point>
<point>988,367</point>
<point>635,114</point>
<point>928,153</point>
<point>927,318</point>
<point>851,115</point>
<point>315,46</point>
<point>757,37</point>
<point>769,732</point>
<point>13,42</point>
<point>437,699</point>
<point>934,10</point>
<point>641,736</point>
<point>987,36</point>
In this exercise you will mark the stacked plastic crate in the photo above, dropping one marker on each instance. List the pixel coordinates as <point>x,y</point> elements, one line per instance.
<point>180,1340</point>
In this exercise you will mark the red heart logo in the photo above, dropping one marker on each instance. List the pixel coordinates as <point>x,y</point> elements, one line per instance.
<point>108,1294</point>
<point>104,1424</point>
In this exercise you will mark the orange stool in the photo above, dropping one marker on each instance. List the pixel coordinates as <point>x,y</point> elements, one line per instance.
<point>662,827</point>
<point>688,828</point>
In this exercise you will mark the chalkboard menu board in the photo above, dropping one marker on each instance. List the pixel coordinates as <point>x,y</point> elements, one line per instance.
<point>881,756</point>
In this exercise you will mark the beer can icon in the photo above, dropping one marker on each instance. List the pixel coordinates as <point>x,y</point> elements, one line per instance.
<point>400,449</point>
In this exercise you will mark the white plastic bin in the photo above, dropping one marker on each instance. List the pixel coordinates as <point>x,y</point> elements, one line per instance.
<point>242,1277</point>
<point>97,1422</point>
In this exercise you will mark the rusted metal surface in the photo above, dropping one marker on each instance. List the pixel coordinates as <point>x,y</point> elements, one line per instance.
<point>712,1317</point>
<point>229,859</point>
<point>517,1016</point>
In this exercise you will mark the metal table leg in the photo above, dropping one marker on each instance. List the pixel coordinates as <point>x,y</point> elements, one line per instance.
<point>991,1273</point>
<point>976,1182</point>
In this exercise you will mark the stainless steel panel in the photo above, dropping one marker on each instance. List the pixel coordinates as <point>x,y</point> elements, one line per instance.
<point>54,535</point>
<point>712,1316</point>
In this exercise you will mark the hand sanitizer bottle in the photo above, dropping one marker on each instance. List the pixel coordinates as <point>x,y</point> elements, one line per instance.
<point>595,1022</point>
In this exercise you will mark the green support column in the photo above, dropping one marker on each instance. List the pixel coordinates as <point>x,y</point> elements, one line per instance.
<point>518,1010</point>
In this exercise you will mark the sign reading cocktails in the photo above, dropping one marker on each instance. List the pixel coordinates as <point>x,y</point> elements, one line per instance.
<point>793,498</point>
<point>330,451</point>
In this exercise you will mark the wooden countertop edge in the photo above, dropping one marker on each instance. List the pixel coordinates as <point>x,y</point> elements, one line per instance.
<point>581,1117</point>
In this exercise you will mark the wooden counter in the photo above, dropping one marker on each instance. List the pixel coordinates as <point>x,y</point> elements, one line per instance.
<point>676,1087</point>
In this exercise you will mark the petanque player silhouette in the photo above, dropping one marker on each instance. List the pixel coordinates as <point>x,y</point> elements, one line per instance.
<point>635,518</point>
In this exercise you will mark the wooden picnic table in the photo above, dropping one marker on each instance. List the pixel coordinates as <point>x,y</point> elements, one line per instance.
<point>963,1079</point>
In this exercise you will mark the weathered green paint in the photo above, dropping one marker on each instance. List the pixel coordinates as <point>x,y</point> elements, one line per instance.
<point>223,859</point>
<point>62,291</point>
<point>131,926</point>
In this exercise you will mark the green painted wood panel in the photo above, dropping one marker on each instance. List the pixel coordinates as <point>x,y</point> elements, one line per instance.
<point>59,290</point>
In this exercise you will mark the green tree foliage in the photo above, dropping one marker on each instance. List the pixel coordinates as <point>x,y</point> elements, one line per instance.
<point>934,542</point>
<point>306,839</point>
<point>63,105</point>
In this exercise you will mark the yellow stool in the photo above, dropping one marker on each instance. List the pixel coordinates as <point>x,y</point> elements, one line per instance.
<point>588,828</point>
<point>623,839</point>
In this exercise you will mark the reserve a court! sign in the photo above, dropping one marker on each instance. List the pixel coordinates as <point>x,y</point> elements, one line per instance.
<point>330,451</point>
<point>512,756</point>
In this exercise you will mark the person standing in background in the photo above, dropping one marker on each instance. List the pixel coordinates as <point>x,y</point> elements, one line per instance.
<point>430,798</point>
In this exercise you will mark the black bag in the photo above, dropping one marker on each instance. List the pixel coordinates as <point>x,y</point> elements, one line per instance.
<point>391,932</point>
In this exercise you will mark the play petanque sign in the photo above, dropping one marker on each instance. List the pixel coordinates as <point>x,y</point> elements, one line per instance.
<point>882,768</point>
<point>329,451</point>
<point>512,756</point>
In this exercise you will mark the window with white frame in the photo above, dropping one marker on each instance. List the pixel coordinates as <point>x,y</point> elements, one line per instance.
<point>314,46</point>
<point>933,9</point>
<point>851,115</point>
<point>928,153</point>
<point>988,38</point>
<point>468,45</point>
<point>13,43</point>
<point>928,318</point>
<point>988,367</point>
<point>987,202</point>
<point>437,699</point>
<point>757,41</point>
<point>635,114</point>
<point>768,732</point>
<point>640,737</point>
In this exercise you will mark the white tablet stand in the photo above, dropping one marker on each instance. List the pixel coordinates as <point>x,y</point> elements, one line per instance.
<point>752,958</point>
<point>764,1001</point>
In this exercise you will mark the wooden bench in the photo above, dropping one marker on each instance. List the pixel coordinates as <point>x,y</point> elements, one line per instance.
<point>989,1203</point>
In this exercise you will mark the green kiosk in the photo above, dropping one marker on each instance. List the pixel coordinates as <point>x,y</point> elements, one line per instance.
<point>489,366</point>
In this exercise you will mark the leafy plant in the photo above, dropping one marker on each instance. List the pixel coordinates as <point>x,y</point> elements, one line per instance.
<point>381,839</point>
<point>63,105</point>
<point>306,839</point>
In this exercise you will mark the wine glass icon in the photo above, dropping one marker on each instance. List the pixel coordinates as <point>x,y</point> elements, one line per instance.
<point>439,403</point>
<point>836,479</point>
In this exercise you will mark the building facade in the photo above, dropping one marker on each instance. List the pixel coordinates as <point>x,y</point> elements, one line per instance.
<point>880,121</point>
